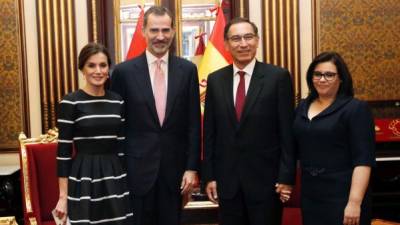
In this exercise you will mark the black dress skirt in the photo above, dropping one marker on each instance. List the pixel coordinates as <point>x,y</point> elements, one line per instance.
<point>97,188</point>
<point>330,145</point>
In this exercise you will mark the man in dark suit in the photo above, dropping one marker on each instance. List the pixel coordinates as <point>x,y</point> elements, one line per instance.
<point>162,126</point>
<point>248,138</point>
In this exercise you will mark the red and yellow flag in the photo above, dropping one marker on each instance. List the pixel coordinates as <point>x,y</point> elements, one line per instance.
<point>215,56</point>
<point>138,43</point>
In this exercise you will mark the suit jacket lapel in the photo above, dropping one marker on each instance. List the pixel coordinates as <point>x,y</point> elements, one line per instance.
<point>254,89</point>
<point>144,83</point>
<point>228,93</point>
<point>174,80</point>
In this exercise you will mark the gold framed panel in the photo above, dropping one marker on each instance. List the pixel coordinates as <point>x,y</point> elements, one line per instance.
<point>366,34</point>
<point>14,114</point>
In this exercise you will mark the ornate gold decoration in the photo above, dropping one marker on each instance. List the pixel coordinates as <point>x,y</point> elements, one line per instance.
<point>13,104</point>
<point>32,220</point>
<point>24,167</point>
<point>49,137</point>
<point>366,34</point>
<point>281,37</point>
<point>9,220</point>
<point>57,55</point>
<point>394,126</point>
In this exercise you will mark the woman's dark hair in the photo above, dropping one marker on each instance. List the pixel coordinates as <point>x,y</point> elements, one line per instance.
<point>89,50</point>
<point>346,85</point>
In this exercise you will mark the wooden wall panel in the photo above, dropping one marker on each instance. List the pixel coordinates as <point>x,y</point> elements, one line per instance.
<point>281,37</point>
<point>101,24</point>
<point>57,55</point>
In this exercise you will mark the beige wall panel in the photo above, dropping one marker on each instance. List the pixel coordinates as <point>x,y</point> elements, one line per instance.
<point>256,17</point>
<point>82,36</point>
<point>33,68</point>
<point>306,51</point>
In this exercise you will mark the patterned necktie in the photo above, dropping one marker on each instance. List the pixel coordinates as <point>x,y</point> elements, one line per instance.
<point>240,95</point>
<point>160,91</point>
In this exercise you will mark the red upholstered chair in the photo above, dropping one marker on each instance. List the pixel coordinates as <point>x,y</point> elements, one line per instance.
<point>39,182</point>
<point>291,211</point>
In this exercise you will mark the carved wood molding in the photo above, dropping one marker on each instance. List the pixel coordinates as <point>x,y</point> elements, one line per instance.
<point>238,8</point>
<point>57,55</point>
<point>281,37</point>
<point>103,18</point>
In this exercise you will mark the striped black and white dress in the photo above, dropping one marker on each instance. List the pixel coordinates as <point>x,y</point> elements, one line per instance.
<point>97,189</point>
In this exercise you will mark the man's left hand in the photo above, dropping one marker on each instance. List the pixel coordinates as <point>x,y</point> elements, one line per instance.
<point>284,191</point>
<point>189,180</point>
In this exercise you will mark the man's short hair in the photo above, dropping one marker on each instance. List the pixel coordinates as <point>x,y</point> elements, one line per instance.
<point>236,21</point>
<point>159,11</point>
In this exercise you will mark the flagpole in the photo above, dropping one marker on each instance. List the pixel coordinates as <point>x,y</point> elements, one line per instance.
<point>117,31</point>
<point>178,27</point>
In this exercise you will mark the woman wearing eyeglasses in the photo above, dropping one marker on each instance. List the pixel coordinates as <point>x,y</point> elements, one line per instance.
<point>335,138</point>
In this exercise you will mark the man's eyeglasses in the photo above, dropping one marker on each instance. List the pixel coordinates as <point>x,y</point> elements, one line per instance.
<point>329,76</point>
<point>239,38</point>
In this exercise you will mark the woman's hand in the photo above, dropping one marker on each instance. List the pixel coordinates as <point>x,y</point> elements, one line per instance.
<point>61,210</point>
<point>284,191</point>
<point>352,214</point>
<point>211,190</point>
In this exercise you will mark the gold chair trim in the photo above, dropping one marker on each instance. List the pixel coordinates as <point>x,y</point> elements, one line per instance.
<point>32,220</point>
<point>9,220</point>
<point>50,137</point>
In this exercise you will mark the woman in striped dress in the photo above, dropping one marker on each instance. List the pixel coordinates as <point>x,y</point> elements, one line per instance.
<point>92,181</point>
